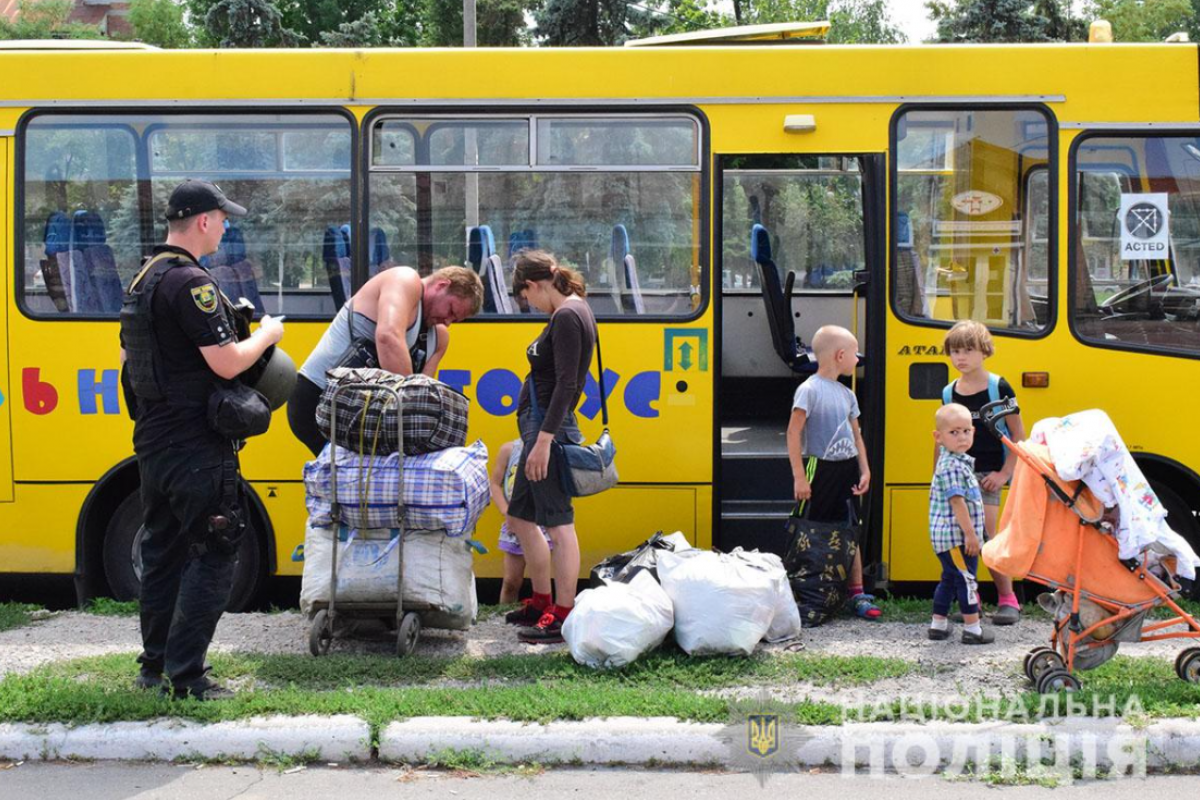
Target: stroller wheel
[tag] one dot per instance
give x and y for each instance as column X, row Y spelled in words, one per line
column 1187, row 665
column 320, row 633
column 1057, row 680
column 1040, row 661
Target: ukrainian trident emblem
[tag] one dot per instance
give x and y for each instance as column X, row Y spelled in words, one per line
column 762, row 734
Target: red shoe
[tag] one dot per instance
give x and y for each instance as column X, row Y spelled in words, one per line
column 547, row 631
column 525, row 616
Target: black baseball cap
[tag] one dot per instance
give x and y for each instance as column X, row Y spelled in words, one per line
column 196, row 197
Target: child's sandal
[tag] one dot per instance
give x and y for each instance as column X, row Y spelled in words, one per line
column 864, row 606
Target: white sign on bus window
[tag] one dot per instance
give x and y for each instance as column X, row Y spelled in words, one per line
column 1145, row 226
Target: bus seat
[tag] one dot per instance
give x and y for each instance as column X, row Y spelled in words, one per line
column 778, row 302
column 630, row 290
column 56, row 266
column 336, row 254
column 95, row 283
column 517, row 241
column 495, row 288
column 380, row 255
column 233, row 270
column 476, row 247
column 910, row 283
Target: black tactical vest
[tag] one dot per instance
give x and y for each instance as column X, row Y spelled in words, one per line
column 143, row 357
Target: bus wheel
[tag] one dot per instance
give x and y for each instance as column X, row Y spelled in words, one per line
column 1182, row 520
column 123, row 563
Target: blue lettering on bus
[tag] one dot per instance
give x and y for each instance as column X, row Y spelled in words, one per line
column 108, row 389
column 497, row 392
column 457, row 379
column 590, row 406
column 642, row 391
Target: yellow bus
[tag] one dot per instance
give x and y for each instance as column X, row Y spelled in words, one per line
column 893, row 190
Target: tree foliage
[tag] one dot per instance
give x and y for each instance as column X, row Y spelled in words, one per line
column 160, row 23
column 249, row 23
column 498, row 23
column 45, row 19
column 1005, row 21
column 1145, row 20
column 589, row 23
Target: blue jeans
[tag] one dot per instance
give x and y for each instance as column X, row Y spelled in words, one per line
column 958, row 583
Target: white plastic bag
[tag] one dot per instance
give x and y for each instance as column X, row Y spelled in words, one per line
column 613, row 625
column 724, row 604
column 438, row 577
column 786, row 622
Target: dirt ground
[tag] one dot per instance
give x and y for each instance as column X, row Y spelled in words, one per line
column 944, row 669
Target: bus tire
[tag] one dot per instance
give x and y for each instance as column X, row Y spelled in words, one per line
column 122, row 565
column 1181, row 518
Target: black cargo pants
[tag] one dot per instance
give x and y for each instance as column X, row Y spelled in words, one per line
column 187, row 567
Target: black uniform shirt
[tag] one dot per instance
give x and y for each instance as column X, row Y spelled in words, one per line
column 987, row 450
column 188, row 315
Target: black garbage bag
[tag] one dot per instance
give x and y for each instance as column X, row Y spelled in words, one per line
column 622, row 567
column 818, row 561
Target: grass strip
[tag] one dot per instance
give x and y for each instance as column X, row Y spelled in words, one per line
column 108, row 607
column 663, row 669
column 16, row 615
column 545, row 688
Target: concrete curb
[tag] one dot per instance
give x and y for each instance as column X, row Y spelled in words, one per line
column 1071, row 743
column 338, row 738
column 1105, row 743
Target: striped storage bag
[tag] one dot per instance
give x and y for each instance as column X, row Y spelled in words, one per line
column 443, row 490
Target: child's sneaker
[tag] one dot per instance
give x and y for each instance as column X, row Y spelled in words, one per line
column 525, row 616
column 983, row 637
column 547, row 631
column 864, row 606
column 1006, row 615
column 939, row 634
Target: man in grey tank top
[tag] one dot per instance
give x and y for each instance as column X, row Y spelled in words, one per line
column 401, row 318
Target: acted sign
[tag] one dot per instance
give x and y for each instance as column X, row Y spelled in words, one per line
column 1145, row 226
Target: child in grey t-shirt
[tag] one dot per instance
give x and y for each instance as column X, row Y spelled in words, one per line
column 825, row 447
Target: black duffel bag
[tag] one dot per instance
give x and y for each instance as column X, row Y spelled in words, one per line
column 818, row 560
column 434, row 416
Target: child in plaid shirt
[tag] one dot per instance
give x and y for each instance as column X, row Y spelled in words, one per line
column 955, row 522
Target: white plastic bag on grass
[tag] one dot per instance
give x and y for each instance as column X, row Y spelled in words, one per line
column 786, row 622
column 724, row 604
column 613, row 625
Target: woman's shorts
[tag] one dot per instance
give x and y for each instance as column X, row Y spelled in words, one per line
column 511, row 545
column 543, row 502
column 989, row 498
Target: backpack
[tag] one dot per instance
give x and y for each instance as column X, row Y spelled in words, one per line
column 993, row 396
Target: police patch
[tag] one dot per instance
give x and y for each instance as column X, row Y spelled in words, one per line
column 205, row 298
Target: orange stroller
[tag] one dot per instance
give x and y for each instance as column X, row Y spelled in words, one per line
column 1053, row 532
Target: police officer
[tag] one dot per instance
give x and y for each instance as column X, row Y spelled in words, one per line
column 181, row 350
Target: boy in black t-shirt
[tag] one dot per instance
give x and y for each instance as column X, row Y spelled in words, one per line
column 968, row 344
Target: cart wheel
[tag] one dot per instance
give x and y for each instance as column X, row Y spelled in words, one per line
column 409, row 633
column 320, row 633
column 1040, row 656
column 1057, row 680
column 1187, row 665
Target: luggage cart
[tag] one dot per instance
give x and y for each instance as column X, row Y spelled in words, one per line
column 326, row 615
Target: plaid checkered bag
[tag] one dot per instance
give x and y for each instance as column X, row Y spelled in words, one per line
column 434, row 416
column 444, row 490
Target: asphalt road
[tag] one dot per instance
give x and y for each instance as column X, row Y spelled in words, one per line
column 113, row 781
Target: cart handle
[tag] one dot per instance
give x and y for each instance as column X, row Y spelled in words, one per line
column 991, row 413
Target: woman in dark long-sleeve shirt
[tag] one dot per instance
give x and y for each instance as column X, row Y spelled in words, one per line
column 559, row 359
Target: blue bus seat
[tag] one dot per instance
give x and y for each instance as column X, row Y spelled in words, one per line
column 56, row 267
column 778, row 302
column 335, row 252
